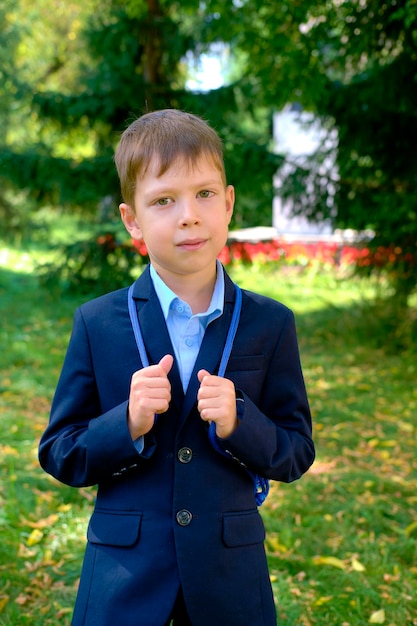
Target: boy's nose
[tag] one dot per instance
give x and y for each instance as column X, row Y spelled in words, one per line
column 189, row 213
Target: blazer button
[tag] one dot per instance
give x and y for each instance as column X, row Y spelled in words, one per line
column 184, row 517
column 185, row 455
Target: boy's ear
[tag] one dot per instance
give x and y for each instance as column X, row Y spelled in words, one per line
column 129, row 220
column 230, row 201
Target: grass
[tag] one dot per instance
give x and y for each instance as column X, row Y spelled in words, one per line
column 341, row 542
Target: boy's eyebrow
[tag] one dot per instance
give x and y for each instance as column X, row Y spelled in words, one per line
column 166, row 187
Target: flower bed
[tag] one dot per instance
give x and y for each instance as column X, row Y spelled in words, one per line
column 307, row 253
column 295, row 253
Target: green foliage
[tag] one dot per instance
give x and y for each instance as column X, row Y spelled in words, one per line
column 121, row 62
column 366, row 59
column 95, row 265
column 73, row 78
column 73, row 184
column 9, row 38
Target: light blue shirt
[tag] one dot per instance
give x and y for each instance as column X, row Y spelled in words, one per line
column 186, row 330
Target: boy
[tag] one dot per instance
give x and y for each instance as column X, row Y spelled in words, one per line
column 174, row 445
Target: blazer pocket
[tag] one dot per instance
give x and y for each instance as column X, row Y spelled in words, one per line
column 243, row 529
column 114, row 528
column 249, row 363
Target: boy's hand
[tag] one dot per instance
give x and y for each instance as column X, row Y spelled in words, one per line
column 150, row 393
column 217, row 402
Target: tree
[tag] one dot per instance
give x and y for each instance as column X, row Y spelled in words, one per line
column 37, row 48
column 130, row 58
column 9, row 41
column 354, row 66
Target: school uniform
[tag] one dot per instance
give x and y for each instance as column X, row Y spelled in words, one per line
column 174, row 514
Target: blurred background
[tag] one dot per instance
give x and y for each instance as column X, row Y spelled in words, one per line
column 316, row 107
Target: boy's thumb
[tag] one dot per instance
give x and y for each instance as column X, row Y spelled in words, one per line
column 166, row 363
column 202, row 374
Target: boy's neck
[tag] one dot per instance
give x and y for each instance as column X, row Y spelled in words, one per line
column 195, row 290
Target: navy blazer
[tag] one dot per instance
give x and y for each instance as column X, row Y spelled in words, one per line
column 179, row 513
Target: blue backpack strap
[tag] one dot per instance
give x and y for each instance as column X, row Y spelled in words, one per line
column 261, row 485
column 137, row 331
column 136, row 328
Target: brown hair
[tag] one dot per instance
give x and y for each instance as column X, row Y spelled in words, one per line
column 166, row 135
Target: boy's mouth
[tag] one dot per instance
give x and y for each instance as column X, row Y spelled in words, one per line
column 191, row 244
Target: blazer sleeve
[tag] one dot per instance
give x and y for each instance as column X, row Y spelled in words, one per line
column 274, row 436
column 84, row 443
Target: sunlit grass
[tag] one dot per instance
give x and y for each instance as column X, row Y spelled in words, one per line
column 341, row 542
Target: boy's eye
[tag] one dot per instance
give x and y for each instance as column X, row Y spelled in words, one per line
column 162, row 201
column 205, row 193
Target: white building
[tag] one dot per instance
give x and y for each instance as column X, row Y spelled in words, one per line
column 296, row 135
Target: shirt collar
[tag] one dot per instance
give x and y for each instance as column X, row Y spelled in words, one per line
column 166, row 296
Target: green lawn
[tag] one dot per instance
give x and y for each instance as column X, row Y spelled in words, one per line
column 341, row 541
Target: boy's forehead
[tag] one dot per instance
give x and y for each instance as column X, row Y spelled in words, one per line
column 181, row 163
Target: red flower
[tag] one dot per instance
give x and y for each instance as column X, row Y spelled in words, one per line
column 140, row 246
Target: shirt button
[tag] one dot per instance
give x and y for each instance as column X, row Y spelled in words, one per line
column 189, row 342
column 184, row 517
column 180, row 308
column 185, row 455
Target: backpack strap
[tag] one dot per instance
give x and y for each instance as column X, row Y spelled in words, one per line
column 261, row 485
column 136, row 327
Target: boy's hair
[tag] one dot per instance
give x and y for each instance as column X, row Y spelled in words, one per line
column 167, row 135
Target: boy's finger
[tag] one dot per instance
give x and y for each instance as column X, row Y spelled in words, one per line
column 202, row 374
column 166, row 363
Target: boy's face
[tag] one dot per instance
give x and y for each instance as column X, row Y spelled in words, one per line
column 183, row 217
